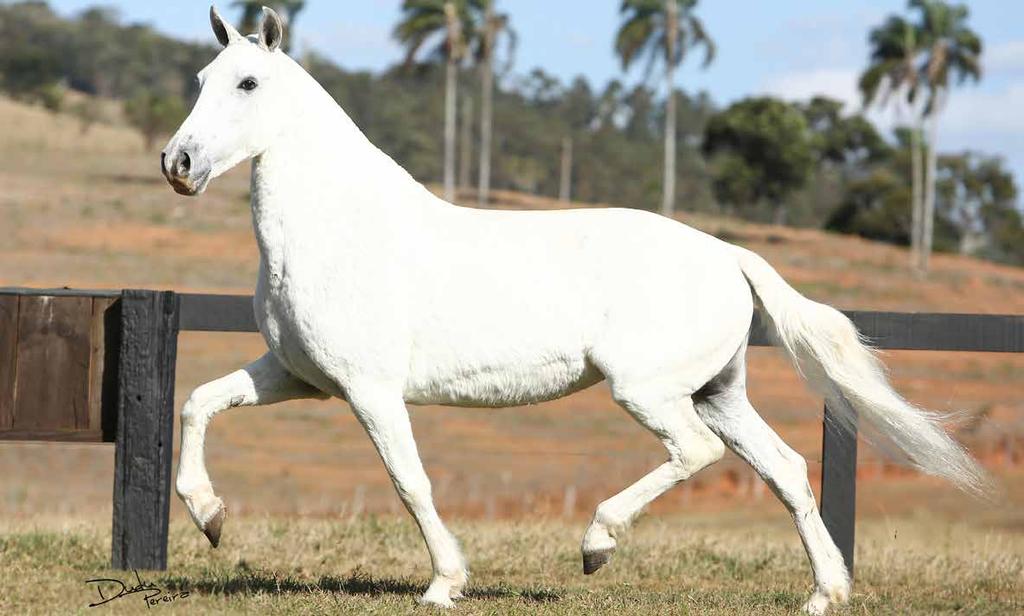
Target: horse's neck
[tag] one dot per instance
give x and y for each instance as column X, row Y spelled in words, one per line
column 323, row 178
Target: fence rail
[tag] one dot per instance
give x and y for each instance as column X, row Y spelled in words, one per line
column 132, row 391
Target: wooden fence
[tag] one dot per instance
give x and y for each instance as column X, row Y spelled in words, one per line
column 99, row 366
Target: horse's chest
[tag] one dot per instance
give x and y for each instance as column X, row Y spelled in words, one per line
column 325, row 332
column 289, row 344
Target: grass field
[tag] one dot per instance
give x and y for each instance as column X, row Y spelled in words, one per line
column 722, row 564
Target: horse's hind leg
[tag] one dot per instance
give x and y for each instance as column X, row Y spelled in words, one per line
column 691, row 447
column 263, row 381
column 724, row 407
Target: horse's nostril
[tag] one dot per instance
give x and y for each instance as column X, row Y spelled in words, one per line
column 184, row 164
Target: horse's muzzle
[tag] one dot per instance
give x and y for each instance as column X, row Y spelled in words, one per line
column 186, row 170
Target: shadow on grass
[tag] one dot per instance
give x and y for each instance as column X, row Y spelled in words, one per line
column 249, row 582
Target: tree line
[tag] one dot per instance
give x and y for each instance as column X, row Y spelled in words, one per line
column 761, row 158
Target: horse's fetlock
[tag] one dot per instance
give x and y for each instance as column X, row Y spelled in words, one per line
column 607, row 520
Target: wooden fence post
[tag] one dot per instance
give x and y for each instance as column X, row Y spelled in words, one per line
column 145, row 428
column 839, row 484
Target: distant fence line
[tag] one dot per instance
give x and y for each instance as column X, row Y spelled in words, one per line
column 116, row 351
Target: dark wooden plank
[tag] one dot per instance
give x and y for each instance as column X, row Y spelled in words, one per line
column 8, row 358
column 886, row 330
column 922, row 331
column 142, row 462
column 217, row 313
column 839, row 484
column 60, row 292
column 52, row 380
column 943, row 332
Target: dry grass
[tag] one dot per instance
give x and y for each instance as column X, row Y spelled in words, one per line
column 693, row 565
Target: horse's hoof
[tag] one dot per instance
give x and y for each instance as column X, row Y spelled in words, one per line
column 433, row 600
column 817, row 605
column 213, row 527
column 595, row 560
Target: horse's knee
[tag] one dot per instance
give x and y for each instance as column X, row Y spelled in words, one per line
column 206, row 401
column 197, row 404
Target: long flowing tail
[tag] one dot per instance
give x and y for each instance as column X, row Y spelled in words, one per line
column 828, row 351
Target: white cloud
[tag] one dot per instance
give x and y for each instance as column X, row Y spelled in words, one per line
column 837, row 83
column 987, row 121
column 972, row 111
column 1005, row 57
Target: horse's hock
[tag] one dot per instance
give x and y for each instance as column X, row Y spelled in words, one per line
column 98, row 366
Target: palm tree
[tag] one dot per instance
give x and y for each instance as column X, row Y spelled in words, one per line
column 954, row 50
column 663, row 30
column 252, row 12
column 895, row 48
column 450, row 23
column 493, row 27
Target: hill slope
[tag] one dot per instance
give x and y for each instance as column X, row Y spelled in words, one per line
column 91, row 210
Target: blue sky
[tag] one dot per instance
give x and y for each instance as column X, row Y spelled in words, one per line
column 788, row 48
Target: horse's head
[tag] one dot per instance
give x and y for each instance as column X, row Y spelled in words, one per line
column 243, row 97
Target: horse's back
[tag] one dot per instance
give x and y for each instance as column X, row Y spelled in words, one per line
column 559, row 293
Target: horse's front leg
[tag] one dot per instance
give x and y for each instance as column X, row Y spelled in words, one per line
column 264, row 381
column 386, row 420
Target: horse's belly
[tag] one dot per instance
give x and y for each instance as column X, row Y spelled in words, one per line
column 503, row 384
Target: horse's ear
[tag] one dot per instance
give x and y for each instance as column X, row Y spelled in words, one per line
column 224, row 31
column 271, row 30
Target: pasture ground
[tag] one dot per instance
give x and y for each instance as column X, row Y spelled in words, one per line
column 722, row 564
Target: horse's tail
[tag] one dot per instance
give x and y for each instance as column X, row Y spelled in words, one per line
column 827, row 350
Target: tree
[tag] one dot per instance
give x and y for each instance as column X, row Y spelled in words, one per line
column 953, row 50
column 892, row 74
column 494, row 28
column 466, row 142
column 450, row 22
column 664, row 31
column 874, row 207
column 32, row 63
column 845, row 147
column 848, row 141
column 764, row 152
column 252, row 12
column 977, row 197
column 154, row 114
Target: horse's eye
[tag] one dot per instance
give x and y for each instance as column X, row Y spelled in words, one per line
column 248, row 84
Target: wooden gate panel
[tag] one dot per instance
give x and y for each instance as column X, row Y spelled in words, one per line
column 8, row 355
column 51, row 392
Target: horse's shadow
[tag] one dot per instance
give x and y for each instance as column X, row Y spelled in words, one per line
column 356, row 583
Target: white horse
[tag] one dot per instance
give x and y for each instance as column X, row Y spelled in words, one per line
column 373, row 290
